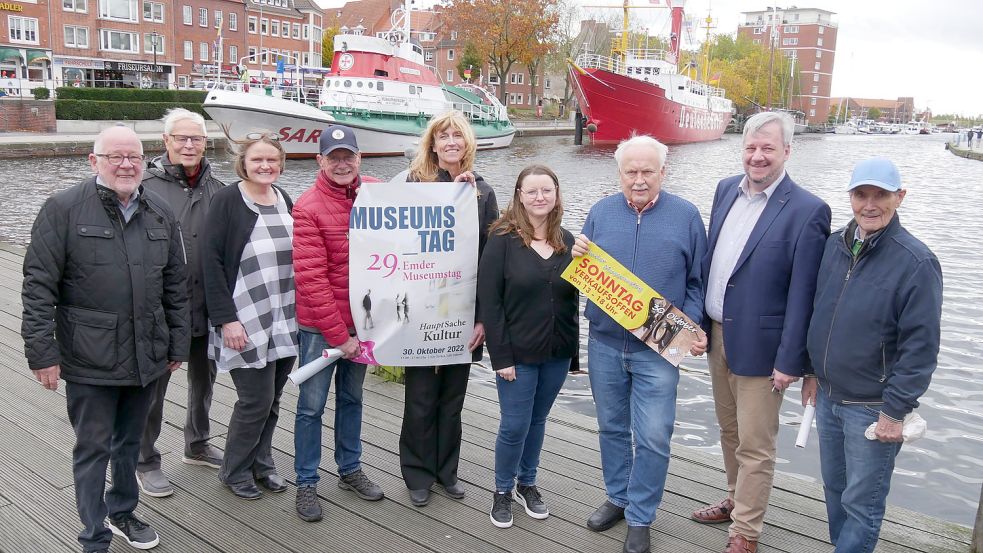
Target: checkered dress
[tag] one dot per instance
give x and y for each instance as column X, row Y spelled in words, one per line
column 264, row 293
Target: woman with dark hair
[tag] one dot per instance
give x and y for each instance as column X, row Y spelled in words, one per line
column 530, row 317
column 430, row 440
column 249, row 292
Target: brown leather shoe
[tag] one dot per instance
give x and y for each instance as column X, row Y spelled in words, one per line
column 712, row 514
column 739, row 544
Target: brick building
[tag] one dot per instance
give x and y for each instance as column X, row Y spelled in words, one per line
column 809, row 36
column 901, row 110
column 25, row 48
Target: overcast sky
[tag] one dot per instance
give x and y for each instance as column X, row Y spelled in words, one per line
column 932, row 50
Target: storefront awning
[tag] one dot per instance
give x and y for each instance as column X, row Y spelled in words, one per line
column 10, row 54
column 37, row 56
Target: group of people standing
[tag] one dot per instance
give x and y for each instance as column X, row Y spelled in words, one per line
column 143, row 267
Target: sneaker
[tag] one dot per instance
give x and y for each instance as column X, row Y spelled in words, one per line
column 136, row 532
column 529, row 498
column 501, row 513
column 210, row 457
column 154, row 483
column 308, row 505
column 361, row 485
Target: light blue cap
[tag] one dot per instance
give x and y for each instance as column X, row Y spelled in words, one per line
column 879, row 172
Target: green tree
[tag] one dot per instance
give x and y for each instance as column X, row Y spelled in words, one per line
column 470, row 59
column 874, row 113
column 327, row 45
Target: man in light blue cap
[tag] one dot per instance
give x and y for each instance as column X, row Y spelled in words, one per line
column 874, row 342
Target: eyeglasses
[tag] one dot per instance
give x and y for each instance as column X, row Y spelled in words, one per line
column 184, row 138
column 546, row 192
column 262, row 135
column 349, row 159
column 117, row 159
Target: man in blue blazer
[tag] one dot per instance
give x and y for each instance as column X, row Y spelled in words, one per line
column 766, row 239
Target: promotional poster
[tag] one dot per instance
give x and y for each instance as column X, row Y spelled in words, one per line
column 413, row 271
column 633, row 304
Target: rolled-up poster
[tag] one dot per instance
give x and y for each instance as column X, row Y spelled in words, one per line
column 807, row 416
column 328, row 356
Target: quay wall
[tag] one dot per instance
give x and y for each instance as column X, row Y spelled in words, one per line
column 21, row 115
column 967, row 153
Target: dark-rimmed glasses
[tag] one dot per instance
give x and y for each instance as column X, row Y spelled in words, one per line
column 117, row 159
column 184, row 138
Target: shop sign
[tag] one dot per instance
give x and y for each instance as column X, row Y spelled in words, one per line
column 79, row 63
column 11, row 7
column 136, row 67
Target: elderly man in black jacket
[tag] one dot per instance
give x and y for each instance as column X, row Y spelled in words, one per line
column 184, row 179
column 106, row 309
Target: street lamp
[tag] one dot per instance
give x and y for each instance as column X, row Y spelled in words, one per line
column 153, row 38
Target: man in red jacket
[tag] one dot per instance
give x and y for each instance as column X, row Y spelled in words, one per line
column 325, row 319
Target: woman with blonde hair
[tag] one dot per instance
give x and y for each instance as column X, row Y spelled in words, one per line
column 530, row 316
column 247, row 261
column 430, row 440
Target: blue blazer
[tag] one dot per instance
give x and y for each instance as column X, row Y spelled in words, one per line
column 768, row 300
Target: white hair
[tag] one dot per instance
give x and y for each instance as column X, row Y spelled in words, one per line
column 659, row 148
column 174, row 115
column 758, row 120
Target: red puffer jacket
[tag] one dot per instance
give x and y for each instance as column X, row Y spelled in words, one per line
column 321, row 257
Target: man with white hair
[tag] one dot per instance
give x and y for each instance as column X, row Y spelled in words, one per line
column 106, row 309
column 184, row 179
column 660, row 237
column 766, row 240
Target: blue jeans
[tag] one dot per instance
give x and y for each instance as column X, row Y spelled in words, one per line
column 635, row 397
column 856, row 473
column 524, row 404
column 310, row 407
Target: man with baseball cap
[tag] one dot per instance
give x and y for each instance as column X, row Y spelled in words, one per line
column 873, row 342
column 321, row 273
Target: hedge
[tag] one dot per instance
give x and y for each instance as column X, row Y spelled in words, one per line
column 131, row 94
column 91, row 110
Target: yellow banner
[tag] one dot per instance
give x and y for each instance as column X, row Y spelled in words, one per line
column 633, row 304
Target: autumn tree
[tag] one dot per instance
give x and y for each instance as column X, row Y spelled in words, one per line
column 874, row 113
column 470, row 59
column 505, row 31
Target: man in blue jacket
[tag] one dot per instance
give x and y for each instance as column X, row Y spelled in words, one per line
column 660, row 238
column 766, row 239
column 874, row 342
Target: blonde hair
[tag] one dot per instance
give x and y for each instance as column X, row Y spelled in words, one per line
column 516, row 219
column 425, row 165
column 240, row 147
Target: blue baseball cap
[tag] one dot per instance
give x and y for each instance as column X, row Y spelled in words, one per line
column 879, row 172
column 337, row 136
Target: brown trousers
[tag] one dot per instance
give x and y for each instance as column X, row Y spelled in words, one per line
column 747, row 411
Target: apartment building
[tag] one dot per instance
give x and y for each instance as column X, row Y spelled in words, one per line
column 809, row 36
column 25, row 48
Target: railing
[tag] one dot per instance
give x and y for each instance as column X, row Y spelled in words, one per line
column 595, row 61
column 651, row 55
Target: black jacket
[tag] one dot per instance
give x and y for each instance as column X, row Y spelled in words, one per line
column 529, row 312
column 228, row 226
column 190, row 205
column 105, row 300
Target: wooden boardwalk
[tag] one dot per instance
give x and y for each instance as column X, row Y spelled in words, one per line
column 37, row 508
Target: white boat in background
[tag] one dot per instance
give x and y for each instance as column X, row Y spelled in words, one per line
column 380, row 87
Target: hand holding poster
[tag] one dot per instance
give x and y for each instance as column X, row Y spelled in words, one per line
column 633, row 304
column 414, row 245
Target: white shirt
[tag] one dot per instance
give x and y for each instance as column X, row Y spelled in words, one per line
column 733, row 237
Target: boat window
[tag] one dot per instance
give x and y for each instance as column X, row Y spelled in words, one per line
column 412, row 89
column 348, row 84
column 381, row 73
column 378, row 85
column 370, row 84
column 655, row 71
column 358, row 84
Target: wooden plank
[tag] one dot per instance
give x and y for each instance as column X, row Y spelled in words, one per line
column 19, row 532
column 978, row 529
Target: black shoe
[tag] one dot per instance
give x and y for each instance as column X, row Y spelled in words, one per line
column 637, row 540
column 531, row 501
column 501, row 512
column 246, row 490
column 606, row 516
column 308, row 505
column 136, row 532
column 273, row 482
column 420, row 498
column 455, row 490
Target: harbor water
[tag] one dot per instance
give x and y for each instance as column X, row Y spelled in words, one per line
column 939, row 475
